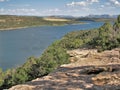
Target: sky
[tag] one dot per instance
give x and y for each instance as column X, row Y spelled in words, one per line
column 59, row 7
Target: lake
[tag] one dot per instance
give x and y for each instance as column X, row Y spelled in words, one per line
column 17, row 45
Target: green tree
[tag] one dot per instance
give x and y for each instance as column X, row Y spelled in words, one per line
column 118, row 19
column 1, row 77
column 116, row 25
column 105, row 39
column 20, row 76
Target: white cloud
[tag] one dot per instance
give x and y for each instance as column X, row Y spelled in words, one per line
column 30, row 11
column 54, row 10
column 1, row 9
column 93, row 1
column 3, row 0
column 82, row 3
column 108, row 3
column 23, row 5
column 78, row 10
column 115, row 2
column 21, row 10
column 102, row 6
column 18, row 11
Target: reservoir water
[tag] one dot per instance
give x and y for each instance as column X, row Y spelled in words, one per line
column 17, row 45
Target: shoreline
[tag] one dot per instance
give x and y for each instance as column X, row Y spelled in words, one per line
column 10, row 29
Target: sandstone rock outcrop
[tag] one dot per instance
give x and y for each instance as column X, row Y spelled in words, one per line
column 89, row 71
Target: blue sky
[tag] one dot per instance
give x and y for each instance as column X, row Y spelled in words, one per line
column 59, row 7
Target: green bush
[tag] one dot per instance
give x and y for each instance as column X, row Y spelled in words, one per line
column 52, row 58
column 78, row 39
column 1, row 77
column 108, row 37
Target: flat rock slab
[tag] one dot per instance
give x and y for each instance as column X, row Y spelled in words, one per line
column 91, row 71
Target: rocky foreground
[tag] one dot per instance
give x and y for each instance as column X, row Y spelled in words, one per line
column 88, row 70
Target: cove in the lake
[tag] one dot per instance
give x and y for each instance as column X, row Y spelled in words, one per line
column 17, row 45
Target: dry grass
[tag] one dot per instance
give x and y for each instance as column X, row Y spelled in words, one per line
column 56, row 19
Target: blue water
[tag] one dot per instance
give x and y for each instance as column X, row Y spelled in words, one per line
column 17, row 45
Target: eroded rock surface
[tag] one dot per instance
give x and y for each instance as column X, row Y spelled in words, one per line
column 89, row 70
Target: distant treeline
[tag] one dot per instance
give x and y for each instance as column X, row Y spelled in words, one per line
column 96, row 19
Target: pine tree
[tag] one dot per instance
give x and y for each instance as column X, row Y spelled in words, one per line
column 118, row 19
column 116, row 26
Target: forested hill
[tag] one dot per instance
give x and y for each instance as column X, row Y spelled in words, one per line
column 8, row 22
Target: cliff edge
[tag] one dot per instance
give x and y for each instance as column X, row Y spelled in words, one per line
column 88, row 70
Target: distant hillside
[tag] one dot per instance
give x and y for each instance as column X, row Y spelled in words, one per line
column 13, row 22
column 96, row 19
column 99, row 18
column 62, row 16
column 102, row 16
column 8, row 22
